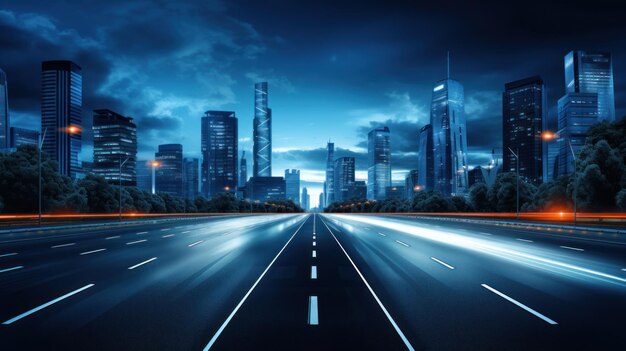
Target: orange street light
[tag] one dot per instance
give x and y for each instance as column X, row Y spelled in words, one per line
column 417, row 188
column 549, row 136
column 227, row 188
column 73, row 129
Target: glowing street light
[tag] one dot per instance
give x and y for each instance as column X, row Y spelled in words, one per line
column 73, row 129
column 551, row 136
column 154, row 165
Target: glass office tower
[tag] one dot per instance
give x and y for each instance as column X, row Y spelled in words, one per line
column 577, row 113
column 169, row 174
column 523, row 108
column 5, row 141
column 219, row 152
column 306, row 199
column 243, row 170
column 21, row 136
column 379, row 163
column 292, row 185
column 61, row 113
column 411, row 183
column 344, row 178
column 262, row 132
column 592, row 72
column 329, row 184
column 425, row 165
column 191, row 170
column 114, row 141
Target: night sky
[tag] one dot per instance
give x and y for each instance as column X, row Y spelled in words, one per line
column 335, row 70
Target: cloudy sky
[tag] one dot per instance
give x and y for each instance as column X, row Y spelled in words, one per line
column 335, row 70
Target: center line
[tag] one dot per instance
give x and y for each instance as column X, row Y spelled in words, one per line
column 142, row 263
column 168, row 235
column 313, row 272
column 441, row 262
column 62, row 245
column 314, row 254
column 9, row 254
column 112, row 237
column 525, row 240
column 136, row 242
column 402, row 243
column 196, row 243
column 313, row 237
column 10, row 269
column 382, row 234
column 571, row 248
column 314, row 243
column 28, row 313
column 313, row 317
column 90, row 252
column 519, row 304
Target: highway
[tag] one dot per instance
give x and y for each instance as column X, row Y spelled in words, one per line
column 311, row 282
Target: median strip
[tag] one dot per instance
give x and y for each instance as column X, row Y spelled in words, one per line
column 519, row 304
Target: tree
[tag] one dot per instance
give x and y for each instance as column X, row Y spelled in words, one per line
column 224, row 203
column 458, row 204
column 552, row 196
column 101, row 197
column 620, row 200
column 140, row 200
column 503, row 193
column 600, row 176
column 478, row 197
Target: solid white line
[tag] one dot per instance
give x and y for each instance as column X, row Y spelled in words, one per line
column 112, row 237
column 62, row 245
column 142, row 263
column 314, row 254
column 9, row 254
column 196, row 243
column 28, row 313
column 168, row 235
column 313, row 272
column 313, row 316
column 393, row 323
column 402, row 243
column 525, row 240
column 314, row 244
column 382, row 234
column 141, row 233
column 185, row 232
column 136, row 242
column 572, row 248
column 90, row 252
column 441, row 262
column 10, row 269
column 519, row 304
column 232, row 314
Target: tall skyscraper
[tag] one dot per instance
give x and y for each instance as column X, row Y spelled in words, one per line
column 411, row 183
column 447, row 118
column 321, row 205
column 329, row 184
column 169, row 174
column 306, row 199
column 219, row 152
column 5, row 141
column 379, row 163
column 592, row 72
column 292, row 185
column 426, row 163
column 61, row 113
column 523, row 109
column 191, row 176
column 144, row 175
column 21, row 136
column 114, row 142
column 243, row 170
column 262, row 132
column 577, row 113
column 344, row 178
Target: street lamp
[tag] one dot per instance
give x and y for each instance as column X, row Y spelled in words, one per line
column 41, row 139
column 551, row 136
column 517, row 181
column 154, row 165
column 120, row 190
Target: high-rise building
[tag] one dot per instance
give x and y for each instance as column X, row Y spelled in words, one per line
column 577, row 113
column 21, row 136
column 329, row 183
column 426, row 165
column 359, row 190
column 292, row 185
column 5, row 140
column 61, row 113
column 475, row 175
column 306, row 199
column 243, row 170
column 191, row 177
column 169, row 174
column 411, row 183
column 592, row 72
column 395, row 193
column 265, row 188
column 447, row 118
column 344, row 178
column 114, row 143
column 219, row 152
column 379, row 163
column 321, row 205
column 143, row 169
column 262, row 132
column 523, row 109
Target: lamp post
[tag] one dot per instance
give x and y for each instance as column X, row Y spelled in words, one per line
column 550, row 136
column 120, row 189
column 41, row 139
column 517, row 182
column 154, row 165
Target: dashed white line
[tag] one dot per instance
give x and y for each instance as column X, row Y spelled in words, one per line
column 142, row 263
column 142, row 233
column 196, row 243
column 571, row 248
column 10, row 269
column 524, row 240
column 402, row 243
column 519, row 304
column 9, row 254
column 164, row 229
column 624, row 269
column 36, row 309
column 382, row 234
column 313, row 316
column 313, row 237
column 136, row 242
column 314, row 244
column 112, row 237
column 62, row 245
column 313, row 272
column 441, row 262
column 186, row 231
column 314, row 254
column 92, row 251
column 168, row 235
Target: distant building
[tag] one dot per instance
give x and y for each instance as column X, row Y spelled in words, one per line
column 87, row 167
column 306, row 199
column 329, row 182
column 379, row 163
column 577, row 113
column 475, row 175
column 265, row 188
column 359, row 190
column 144, row 175
column 321, row 205
column 61, row 114
column 114, row 143
column 243, row 170
column 292, row 185
column 191, row 173
column 169, row 174
column 5, row 140
column 219, row 152
column 426, row 165
column 21, row 136
column 344, row 178
column 395, row 193
column 411, row 183
column 262, row 132
column 592, row 72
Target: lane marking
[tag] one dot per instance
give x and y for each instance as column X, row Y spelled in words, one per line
column 165, row 229
column 186, row 231
column 314, row 254
column 168, row 235
column 402, row 243
column 136, row 242
column 624, row 269
column 571, row 248
column 9, row 254
column 36, row 309
column 382, row 307
column 112, row 237
column 524, row 240
column 314, row 244
column 232, row 314
column 142, row 233
column 90, row 252
column 519, row 304
column 62, row 245
column 142, row 263
column 382, row 234
column 483, row 233
column 441, row 262
column 313, row 237
column 196, row 243
column 10, row 269
column 313, row 272
column 313, row 316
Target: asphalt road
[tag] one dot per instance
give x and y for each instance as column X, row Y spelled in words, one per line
column 311, row 282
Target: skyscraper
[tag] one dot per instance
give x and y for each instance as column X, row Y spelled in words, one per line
column 379, row 163
column 577, row 113
column 592, row 72
column 426, row 165
column 61, row 113
column 243, row 170
column 219, row 152
column 5, row 141
column 191, row 177
column 114, row 142
column 169, row 174
column 144, row 175
column 292, row 185
column 411, row 183
column 262, row 132
column 344, row 178
column 523, row 108
column 447, row 118
column 321, row 200
column 21, row 136
column 329, row 184
column 306, row 199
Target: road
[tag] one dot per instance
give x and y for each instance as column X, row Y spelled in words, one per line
column 310, row 282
